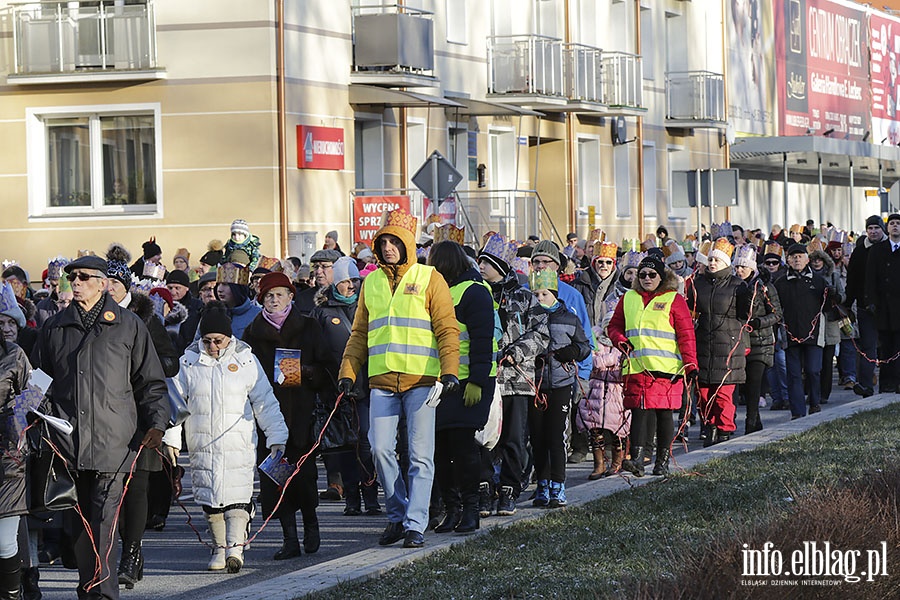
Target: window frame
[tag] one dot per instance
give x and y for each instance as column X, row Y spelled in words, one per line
column 583, row 191
column 38, row 169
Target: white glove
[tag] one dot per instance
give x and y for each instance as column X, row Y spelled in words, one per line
column 171, row 453
column 274, row 449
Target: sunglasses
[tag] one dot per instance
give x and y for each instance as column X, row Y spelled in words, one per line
column 215, row 342
column 81, row 276
column 602, row 261
column 648, row 274
column 773, row 263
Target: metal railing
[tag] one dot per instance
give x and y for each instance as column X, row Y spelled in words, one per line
column 583, row 72
column 525, row 64
column 622, row 80
column 56, row 37
column 695, row 95
column 513, row 213
column 392, row 37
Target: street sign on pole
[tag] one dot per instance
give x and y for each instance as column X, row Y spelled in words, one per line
column 437, row 178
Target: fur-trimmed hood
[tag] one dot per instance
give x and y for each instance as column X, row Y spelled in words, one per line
column 829, row 262
column 669, row 283
column 142, row 306
column 177, row 315
column 322, row 296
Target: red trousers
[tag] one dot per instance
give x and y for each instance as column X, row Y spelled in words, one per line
column 718, row 411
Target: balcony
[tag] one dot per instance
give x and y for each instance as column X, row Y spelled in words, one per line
column 623, row 83
column 695, row 100
column 393, row 46
column 513, row 213
column 526, row 70
column 60, row 42
column 584, row 77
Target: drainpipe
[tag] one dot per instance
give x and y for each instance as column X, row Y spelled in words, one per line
column 570, row 144
column 727, row 147
column 640, row 126
column 404, row 169
column 282, row 138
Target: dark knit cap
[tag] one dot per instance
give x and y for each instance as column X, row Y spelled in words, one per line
column 151, row 248
column 499, row 264
column 655, row 263
column 215, row 320
column 875, row 220
column 178, row 276
column 893, row 217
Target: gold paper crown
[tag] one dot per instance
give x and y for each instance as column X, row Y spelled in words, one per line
column 605, row 250
column 449, row 233
column 815, row 244
column 233, row 273
column 648, row 243
column 705, row 248
column 670, row 248
column 724, row 246
column 400, row 218
column 487, row 236
column 597, row 235
column 796, row 228
column 774, row 248
column 272, row 264
column 759, row 243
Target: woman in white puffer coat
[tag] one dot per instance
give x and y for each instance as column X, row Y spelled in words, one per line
column 227, row 394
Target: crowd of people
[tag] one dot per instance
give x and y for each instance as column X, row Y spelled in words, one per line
column 453, row 376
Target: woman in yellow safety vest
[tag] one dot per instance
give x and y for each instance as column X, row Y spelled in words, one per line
column 653, row 328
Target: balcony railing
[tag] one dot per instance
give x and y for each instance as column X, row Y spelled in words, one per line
column 392, row 38
column 584, row 73
column 59, row 37
column 622, row 80
column 525, row 64
column 695, row 96
column 513, row 213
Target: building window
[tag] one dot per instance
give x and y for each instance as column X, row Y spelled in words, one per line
column 588, row 174
column 456, row 22
column 622, row 168
column 85, row 162
column 650, row 191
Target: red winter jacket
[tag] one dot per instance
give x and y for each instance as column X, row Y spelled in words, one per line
column 644, row 390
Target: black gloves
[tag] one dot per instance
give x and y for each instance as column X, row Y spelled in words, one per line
column 754, row 323
column 345, row 386
column 508, row 357
column 451, row 383
column 566, row 354
column 625, row 347
column 692, row 377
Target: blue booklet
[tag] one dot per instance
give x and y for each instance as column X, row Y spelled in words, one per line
column 277, row 468
column 287, row 367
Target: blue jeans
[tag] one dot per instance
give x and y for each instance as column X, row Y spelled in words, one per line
column 847, row 359
column 868, row 344
column 777, row 375
column 409, row 506
column 800, row 358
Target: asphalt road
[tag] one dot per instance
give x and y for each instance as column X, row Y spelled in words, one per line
column 175, row 561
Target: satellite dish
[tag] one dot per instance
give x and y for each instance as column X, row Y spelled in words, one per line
column 619, row 131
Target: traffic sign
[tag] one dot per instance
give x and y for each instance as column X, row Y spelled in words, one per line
column 437, row 178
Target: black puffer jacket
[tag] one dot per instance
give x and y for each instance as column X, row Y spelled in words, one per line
column 721, row 301
column 336, row 318
column 143, row 307
column 802, row 298
column 567, row 335
column 14, row 374
column 107, row 382
column 767, row 308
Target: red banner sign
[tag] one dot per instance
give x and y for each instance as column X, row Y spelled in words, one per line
column 823, row 68
column 320, row 148
column 884, row 39
column 367, row 211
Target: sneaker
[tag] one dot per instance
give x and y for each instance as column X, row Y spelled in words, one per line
column 861, row 390
column 849, row 384
column 334, row 492
column 541, row 494
column 576, row 457
column 485, row 499
column 557, row 494
column 762, row 402
column 815, row 409
column 506, row 506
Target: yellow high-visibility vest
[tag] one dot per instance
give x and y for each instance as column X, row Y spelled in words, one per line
column 652, row 335
column 457, row 292
column 400, row 336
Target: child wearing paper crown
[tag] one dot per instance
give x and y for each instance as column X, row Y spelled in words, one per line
column 556, row 372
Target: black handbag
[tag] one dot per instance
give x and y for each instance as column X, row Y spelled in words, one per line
column 52, row 485
column 178, row 410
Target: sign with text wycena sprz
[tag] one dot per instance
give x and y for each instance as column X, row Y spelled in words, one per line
column 367, row 212
column 320, row 148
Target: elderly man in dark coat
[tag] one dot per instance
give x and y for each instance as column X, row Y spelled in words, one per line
column 108, row 383
column 881, row 293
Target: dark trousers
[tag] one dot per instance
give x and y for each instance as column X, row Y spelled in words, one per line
column 889, row 374
column 301, row 494
column 547, row 428
column 868, row 345
column 159, row 492
column 826, row 376
column 511, row 448
column 457, row 458
column 98, row 496
column 802, row 358
column 577, row 431
column 133, row 518
column 752, row 390
column 665, row 427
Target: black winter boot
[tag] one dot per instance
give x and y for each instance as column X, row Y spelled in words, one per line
column 635, row 465
column 30, row 588
column 469, row 519
column 452, row 512
column 485, row 499
column 352, row 500
column 10, row 576
column 662, row 462
column 131, row 566
column 311, row 538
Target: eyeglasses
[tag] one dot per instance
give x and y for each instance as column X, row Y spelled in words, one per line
column 321, row 267
column 218, row 342
column 648, row 274
column 210, row 289
column 604, row 261
column 540, row 261
column 773, row 263
column 82, row 276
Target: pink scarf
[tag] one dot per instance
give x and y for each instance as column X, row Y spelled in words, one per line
column 277, row 319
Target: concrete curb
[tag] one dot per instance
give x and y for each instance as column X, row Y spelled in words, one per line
column 376, row 561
